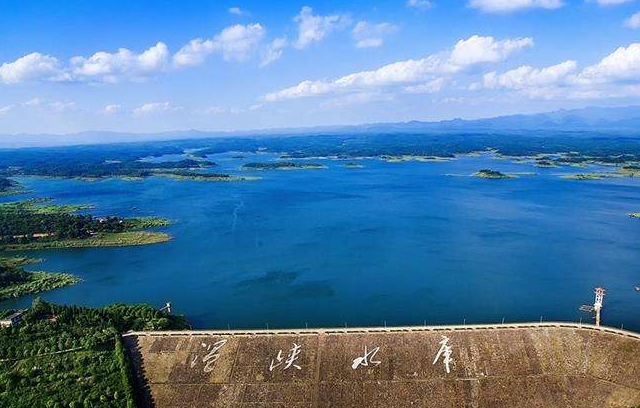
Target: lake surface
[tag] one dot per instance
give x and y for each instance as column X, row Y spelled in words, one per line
column 401, row 243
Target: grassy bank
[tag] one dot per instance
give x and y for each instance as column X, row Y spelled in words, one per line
column 37, row 282
column 109, row 239
column 16, row 282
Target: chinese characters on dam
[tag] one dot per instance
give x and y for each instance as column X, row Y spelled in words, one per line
column 287, row 359
column 210, row 358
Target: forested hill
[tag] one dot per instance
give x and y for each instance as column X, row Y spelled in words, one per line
column 70, row 356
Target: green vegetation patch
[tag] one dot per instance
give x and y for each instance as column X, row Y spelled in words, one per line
column 70, row 356
column 590, row 176
column 16, row 282
column 492, row 174
column 205, row 177
column 10, row 187
column 33, row 225
column 282, row 166
column 117, row 239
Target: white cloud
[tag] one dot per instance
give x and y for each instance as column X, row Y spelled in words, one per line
column 622, row 65
column 357, row 99
column 419, row 4
column 33, row 102
column 5, row 109
column 32, row 67
column 235, row 42
column 611, row 2
column 112, row 109
column 237, row 11
column 527, row 77
column 155, row 108
column 369, row 35
column 633, row 22
column 121, row 65
column 615, row 75
column 60, row 107
column 433, row 86
column 313, row 28
column 477, row 49
column 194, row 53
column 474, row 50
column 507, row 6
column 273, row 51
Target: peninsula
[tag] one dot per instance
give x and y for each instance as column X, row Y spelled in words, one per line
column 9, row 187
column 30, row 224
column 16, row 282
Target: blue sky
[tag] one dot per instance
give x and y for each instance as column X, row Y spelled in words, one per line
column 163, row 65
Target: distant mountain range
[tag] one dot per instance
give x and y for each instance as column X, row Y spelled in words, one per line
column 621, row 121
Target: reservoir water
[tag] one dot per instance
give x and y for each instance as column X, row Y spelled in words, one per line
column 401, row 243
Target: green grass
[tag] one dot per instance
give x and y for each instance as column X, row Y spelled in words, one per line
column 206, row 177
column 36, row 206
column 492, row 174
column 38, row 282
column 141, row 223
column 99, row 240
column 589, row 176
column 72, row 357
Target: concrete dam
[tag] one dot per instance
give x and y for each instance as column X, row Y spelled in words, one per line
column 538, row 365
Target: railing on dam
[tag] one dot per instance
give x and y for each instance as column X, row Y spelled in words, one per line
column 398, row 329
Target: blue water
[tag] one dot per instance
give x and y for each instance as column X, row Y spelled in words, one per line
column 401, row 243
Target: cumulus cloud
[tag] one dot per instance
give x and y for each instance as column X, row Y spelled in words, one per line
column 152, row 108
column 32, row 67
column 112, row 109
column 313, row 28
column 620, row 66
column 194, row 53
column 123, row 64
column 507, row 6
column 477, row 49
column 369, row 35
column 273, row 51
column 526, row 76
column 419, row 4
column 633, row 22
column 235, row 43
column 615, row 75
column 472, row 51
column 427, row 87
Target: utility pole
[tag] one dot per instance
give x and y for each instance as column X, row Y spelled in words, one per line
column 167, row 307
column 597, row 305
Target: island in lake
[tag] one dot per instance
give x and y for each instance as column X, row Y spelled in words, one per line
column 492, row 174
column 282, row 166
column 183, row 175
